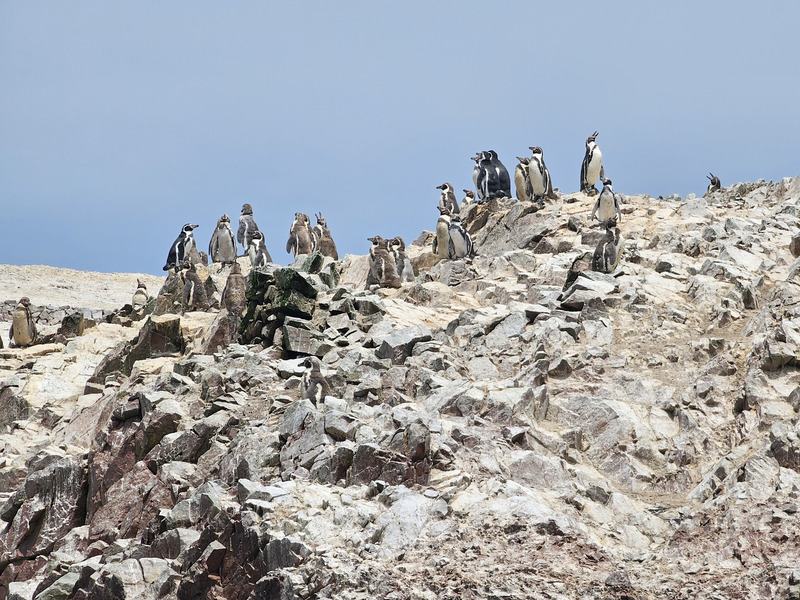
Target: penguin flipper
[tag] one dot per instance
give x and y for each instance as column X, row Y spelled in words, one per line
column 451, row 249
column 291, row 243
column 602, row 172
column 435, row 244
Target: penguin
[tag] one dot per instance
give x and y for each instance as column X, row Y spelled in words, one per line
column 539, row 177
column 233, row 295
column 460, row 243
column 447, row 199
column 23, row 328
column 181, row 247
column 469, row 198
column 441, row 242
column 370, row 260
column 522, row 182
column 384, row 268
column 222, row 247
column 499, row 185
column 592, row 166
column 607, row 204
column 609, row 250
column 247, row 225
column 715, row 183
column 315, row 386
column 405, row 271
column 140, row 296
column 300, row 239
column 194, row 291
column 476, row 173
column 324, row 241
column 259, row 255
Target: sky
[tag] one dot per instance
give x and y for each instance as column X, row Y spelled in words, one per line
column 121, row 121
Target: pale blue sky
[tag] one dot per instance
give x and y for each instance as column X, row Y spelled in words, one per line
column 121, row 121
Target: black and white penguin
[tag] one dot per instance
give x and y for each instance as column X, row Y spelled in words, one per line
column 522, row 183
column 247, row 225
column 370, row 260
column 469, row 198
column 194, row 291
column 384, row 268
column 609, row 250
column 714, row 185
column 539, row 175
column 447, row 199
column 498, row 183
column 323, row 240
column 476, row 173
column 607, row 204
column 222, row 247
column 592, row 166
column 460, row 242
column 301, row 240
column 23, row 327
column 315, row 386
column 397, row 246
column 441, row 242
column 181, row 247
column 140, row 296
column 259, row 255
column 233, row 295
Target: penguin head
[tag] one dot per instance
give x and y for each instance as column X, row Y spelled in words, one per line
column 188, row 228
column 592, row 137
column 606, row 182
column 398, row 242
column 376, row 240
column 247, row 209
column 445, row 186
column 236, row 268
column 444, row 211
column 257, row 235
column 470, row 194
column 478, row 157
column 224, row 219
column 321, row 220
column 611, row 223
column 535, row 150
column 523, row 161
column 140, row 285
column 25, row 301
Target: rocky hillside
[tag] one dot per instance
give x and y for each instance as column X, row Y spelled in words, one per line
column 510, row 426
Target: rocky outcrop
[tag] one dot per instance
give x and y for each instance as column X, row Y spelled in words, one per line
column 514, row 425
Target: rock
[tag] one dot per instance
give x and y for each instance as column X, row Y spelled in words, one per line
column 399, row 345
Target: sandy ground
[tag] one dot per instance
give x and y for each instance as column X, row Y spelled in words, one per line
column 52, row 286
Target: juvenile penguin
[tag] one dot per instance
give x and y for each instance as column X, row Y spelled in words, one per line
column 609, row 250
column 315, row 386
column 539, row 176
column 715, row 183
column 233, row 295
column 522, row 183
column 405, row 271
column 181, row 247
column 247, row 225
column 324, row 240
column 194, row 292
column 447, row 199
column 300, row 239
column 460, row 242
column 607, row 204
column 384, row 268
column 371, row 259
column 441, row 243
column 222, row 247
column 140, row 296
column 259, row 255
column 592, row 166
column 23, row 327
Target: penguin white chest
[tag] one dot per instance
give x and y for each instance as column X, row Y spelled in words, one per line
column 537, row 178
column 606, row 209
column 593, row 168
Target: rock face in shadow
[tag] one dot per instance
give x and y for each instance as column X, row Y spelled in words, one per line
column 507, row 425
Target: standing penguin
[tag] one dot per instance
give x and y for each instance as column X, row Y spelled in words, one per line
column 447, row 199
column 592, row 166
column 315, row 386
column 384, row 268
column 498, row 183
column 194, row 291
column 247, row 225
column 222, row 247
column 609, row 250
column 259, row 255
column 522, row 182
column 476, row 173
column 300, row 239
column 460, row 242
column 441, row 243
column 324, row 240
column 23, row 328
column 405, row 271
column 371, row 259
column 715, row 183
column 140, row 296
column 233, row 295
column 539, row 175
column 181, row 248
column 607, row 204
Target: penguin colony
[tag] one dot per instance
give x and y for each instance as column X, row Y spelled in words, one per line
column 388, row 264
